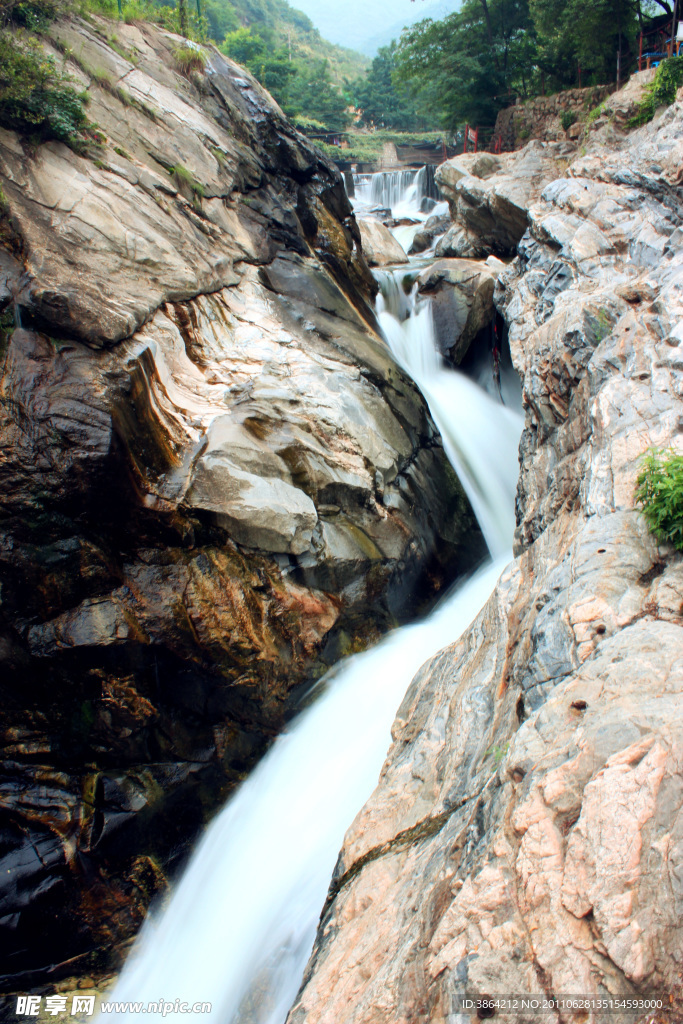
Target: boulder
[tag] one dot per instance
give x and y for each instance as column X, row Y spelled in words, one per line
column 432, row 228
column 461, row 293
column 380, row 248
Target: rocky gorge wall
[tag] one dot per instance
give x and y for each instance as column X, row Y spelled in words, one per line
column 214, row 480
column 526, row 833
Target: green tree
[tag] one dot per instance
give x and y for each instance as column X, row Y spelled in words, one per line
column 466, row 66
column 587, row 34
column 182, row 16
column 476, row 61
column 221, row 17
column 384, row 102
column 314, row 95
column 270, row 66
column 244, row 46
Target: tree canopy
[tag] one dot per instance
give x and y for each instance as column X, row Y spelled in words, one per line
column 477, row 60
column 382, row 100
column 302, row 87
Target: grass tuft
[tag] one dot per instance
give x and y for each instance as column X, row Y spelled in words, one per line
column 188, row 59
column 186, row 180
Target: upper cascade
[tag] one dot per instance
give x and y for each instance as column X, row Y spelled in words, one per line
column 405, row 193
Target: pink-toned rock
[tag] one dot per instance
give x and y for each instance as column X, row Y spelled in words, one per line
column 526, row 833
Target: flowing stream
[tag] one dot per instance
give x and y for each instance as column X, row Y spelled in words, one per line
column 240, row 925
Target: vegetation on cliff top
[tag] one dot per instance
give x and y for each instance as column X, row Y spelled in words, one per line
column 469, row 65
column 277, row 43
column 465, row 67
column 662, row 92
column 37, row 96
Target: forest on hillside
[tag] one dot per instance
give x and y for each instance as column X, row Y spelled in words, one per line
column 437, row 76
column 469, row 65
column 462, row 68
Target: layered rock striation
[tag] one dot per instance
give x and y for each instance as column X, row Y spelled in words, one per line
column 489, row 197
column 526, row 834
column 214, row 480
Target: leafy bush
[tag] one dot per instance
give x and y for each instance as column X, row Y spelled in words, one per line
column 189, row 58
column 33, row 14
column 36, row 96
column 660, row 494
column 602, row 325
column 662, row 92
column 567, row 119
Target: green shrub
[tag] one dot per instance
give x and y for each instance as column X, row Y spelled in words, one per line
column 602, row 325
column 659, row 492
column 36, row 96
column 567, row 119
column 595, row 114
column 662, row 92
column 189, row 59
column 33, row 14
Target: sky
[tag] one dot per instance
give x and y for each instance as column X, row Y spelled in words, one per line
column 366, row 24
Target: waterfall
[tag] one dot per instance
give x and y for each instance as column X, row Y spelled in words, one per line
column 402, row 192
column 240, row 925
column 482, row 438
column 409, row 195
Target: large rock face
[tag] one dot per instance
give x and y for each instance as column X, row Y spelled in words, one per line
column 214, row 480
column 526, row 835
column 489, row 197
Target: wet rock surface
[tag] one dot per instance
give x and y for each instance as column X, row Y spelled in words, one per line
column 461, row 294
column 432, row 229
column 214, row 480
column 526, row 832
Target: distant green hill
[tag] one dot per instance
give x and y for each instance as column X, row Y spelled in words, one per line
column 284, row 28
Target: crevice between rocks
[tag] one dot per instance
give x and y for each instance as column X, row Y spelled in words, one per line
column 424, row 829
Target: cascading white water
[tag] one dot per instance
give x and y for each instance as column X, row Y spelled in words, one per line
column 482, row 437
column 386, row 189
column 403, row 193
column 240, row 926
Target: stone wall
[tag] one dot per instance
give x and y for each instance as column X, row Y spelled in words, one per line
column 540, row 118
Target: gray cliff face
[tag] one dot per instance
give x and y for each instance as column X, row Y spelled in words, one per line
column 526, row 834
column 489, row 197
column 214, row 481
